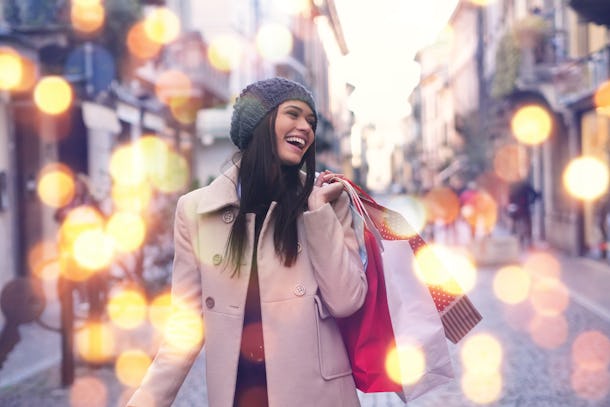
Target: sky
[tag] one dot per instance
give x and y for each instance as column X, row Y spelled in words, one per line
column 383, row 37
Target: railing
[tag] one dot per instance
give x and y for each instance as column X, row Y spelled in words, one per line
column 578, row 78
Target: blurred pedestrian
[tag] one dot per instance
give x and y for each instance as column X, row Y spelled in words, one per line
column 267, row 255
column 522, row 196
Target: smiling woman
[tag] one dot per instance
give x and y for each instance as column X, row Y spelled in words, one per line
column 252, row 256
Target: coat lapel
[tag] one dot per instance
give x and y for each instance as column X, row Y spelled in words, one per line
column 220, row 193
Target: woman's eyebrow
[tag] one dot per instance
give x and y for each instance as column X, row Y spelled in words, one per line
column 297, row 108
column 293, row 107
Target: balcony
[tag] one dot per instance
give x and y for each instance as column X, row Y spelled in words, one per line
column 579, row 78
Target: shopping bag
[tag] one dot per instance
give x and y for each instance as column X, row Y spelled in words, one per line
column 457, row 312
column 396, row 341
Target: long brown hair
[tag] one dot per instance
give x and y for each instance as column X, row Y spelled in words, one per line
column 262, row 180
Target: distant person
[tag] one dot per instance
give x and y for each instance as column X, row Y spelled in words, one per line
column 267, row 255
column 603, row 218
column 520, row 200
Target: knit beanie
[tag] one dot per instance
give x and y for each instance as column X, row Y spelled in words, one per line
column 258, row 99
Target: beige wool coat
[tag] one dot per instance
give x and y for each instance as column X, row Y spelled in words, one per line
column 306, row 360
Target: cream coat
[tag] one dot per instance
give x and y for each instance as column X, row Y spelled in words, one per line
column 306, row 361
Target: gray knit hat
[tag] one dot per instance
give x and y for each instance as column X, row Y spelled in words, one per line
column 258, row 99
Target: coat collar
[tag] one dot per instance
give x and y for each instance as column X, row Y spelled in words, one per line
column 220, row 193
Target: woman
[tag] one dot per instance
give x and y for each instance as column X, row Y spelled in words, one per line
column 267, row 254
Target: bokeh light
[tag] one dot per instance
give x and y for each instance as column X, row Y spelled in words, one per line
column 159, row 310
column 591, row 350
column 43, row 260
column 549, row 297
column 511, row 284
column 586, row 178
column 79, row 219
column 173, row 175
column 482, row 389
column 87, row 16
column 139, row 43
column 431, row 267
column 95, row 342
column 162, row 25
column 127, row 308
column 131, row 198
column 274, row 41
column 225, row 51
column 592, row 385
column 53, row 95
column 55, row 186
column 405, row 364
column 29, row 75
column 511, row 162
column 548, row 331
column 127, row 229
column 542, row 265
column 411, row 208
column 11, row 68
column 131, row 366
column 127, row 166
column 88, row 391
column 442, row 204
column 601, row 98
column 184, row 108
column 481, row 354
column 532, row 124
column 480, row 211
column 172, row 83
column 93, row 249
column 184, row 329
column 153, row 151
column 250, row 346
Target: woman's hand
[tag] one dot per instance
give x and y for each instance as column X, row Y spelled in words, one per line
column 323, row 192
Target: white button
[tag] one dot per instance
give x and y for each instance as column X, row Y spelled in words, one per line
column 299, row 290
column 228, row 216
column 299, row 247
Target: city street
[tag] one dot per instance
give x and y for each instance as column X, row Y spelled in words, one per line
column 535, row 370
column 149, row 146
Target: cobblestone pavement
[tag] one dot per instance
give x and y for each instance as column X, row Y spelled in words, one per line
column 532, row 375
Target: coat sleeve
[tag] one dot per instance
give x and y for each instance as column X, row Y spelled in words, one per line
column 334, row 254
column 172, row 363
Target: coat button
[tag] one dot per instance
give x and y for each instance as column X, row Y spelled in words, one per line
column 228, row 216
column 299, row 247
column 299, row 290
column 217, row 259
column 209, row 302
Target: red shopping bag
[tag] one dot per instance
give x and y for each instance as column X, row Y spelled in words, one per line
column 368, row 334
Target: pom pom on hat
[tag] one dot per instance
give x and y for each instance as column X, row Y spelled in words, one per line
column 257, row 100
